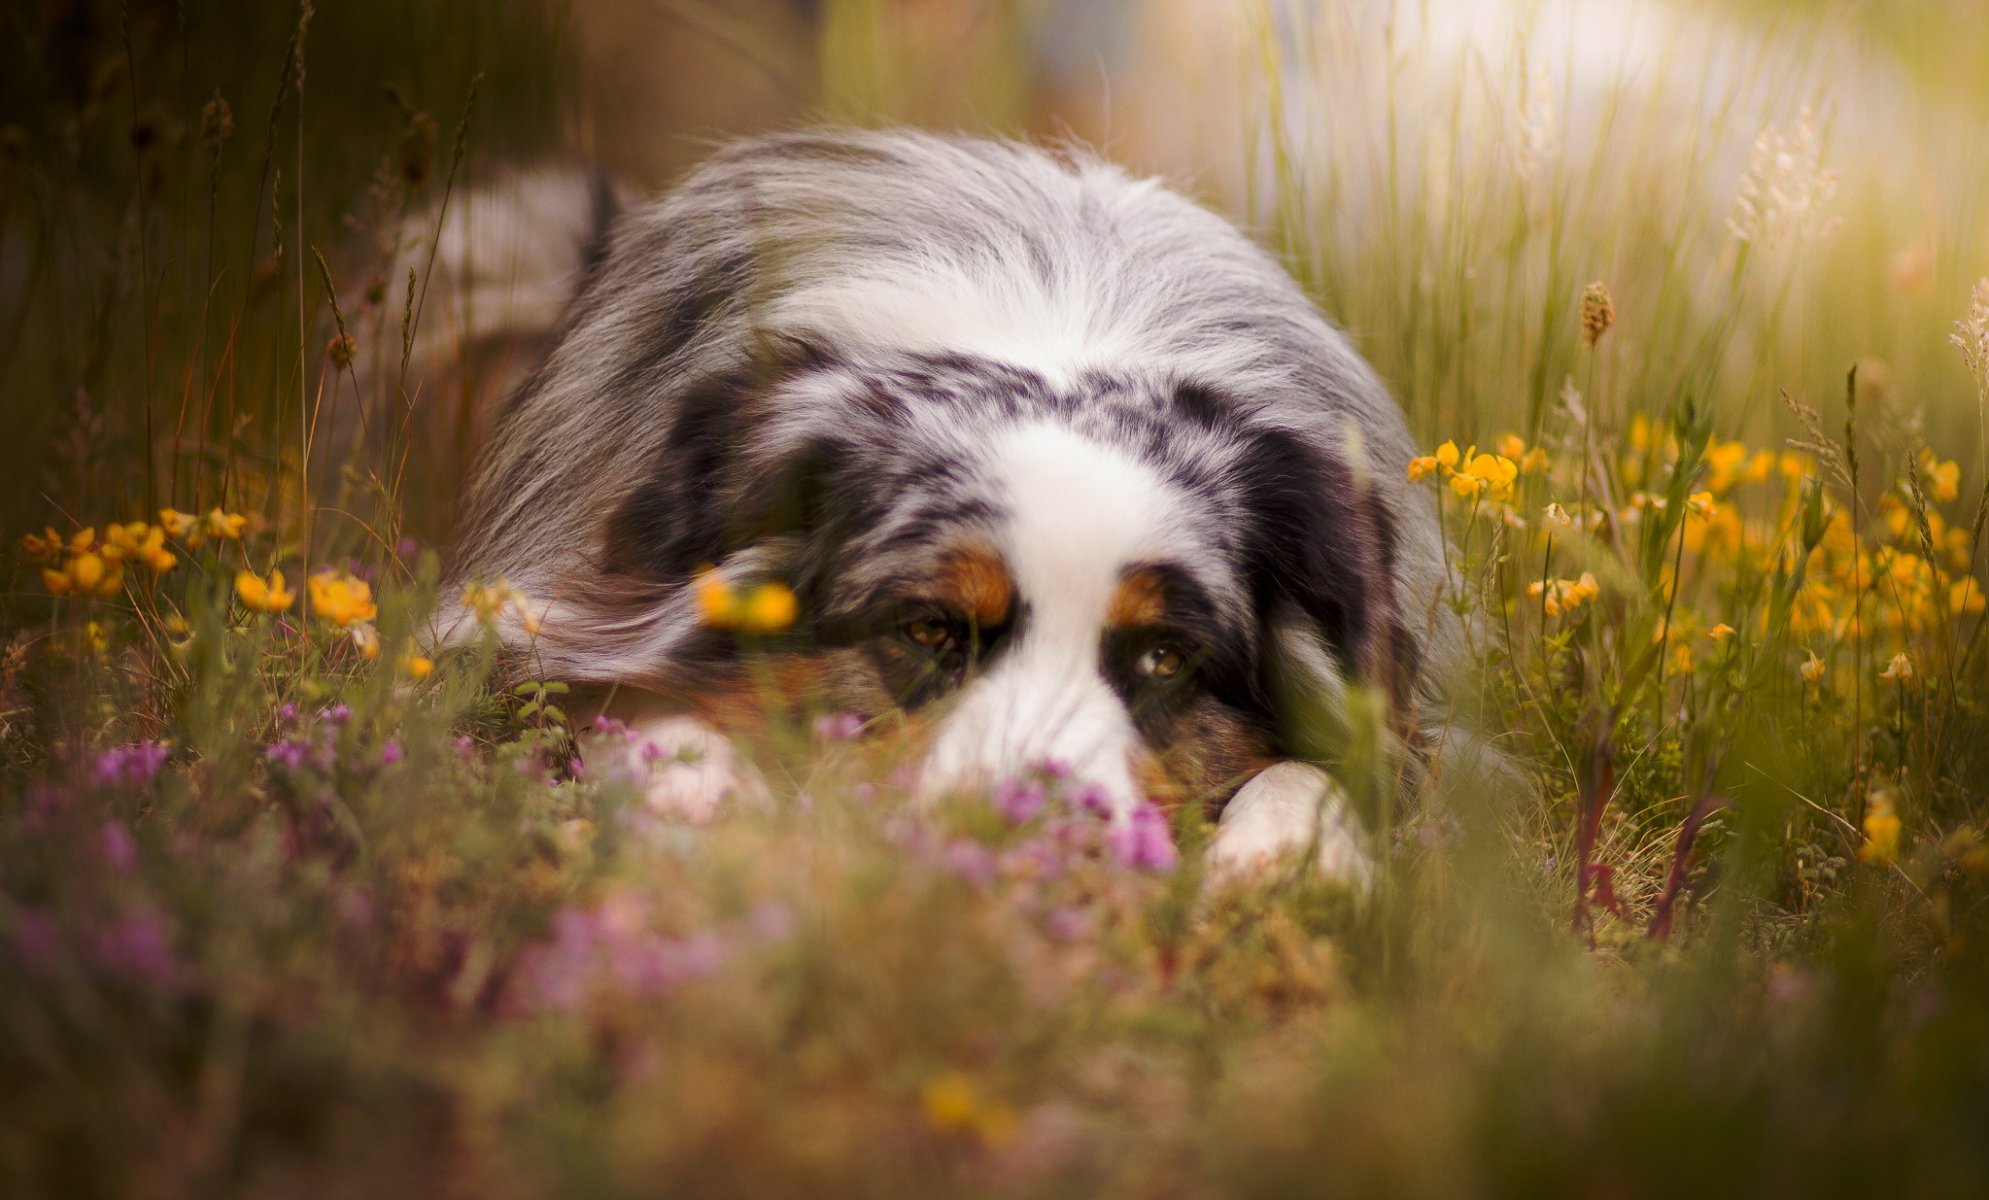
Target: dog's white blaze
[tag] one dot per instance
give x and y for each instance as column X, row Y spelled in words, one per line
column 1080, row 513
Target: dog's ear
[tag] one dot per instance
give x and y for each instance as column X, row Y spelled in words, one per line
column 716, row 485
column 1322, row 559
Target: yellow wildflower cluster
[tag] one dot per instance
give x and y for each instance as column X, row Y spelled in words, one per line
column 193, row 529
column 767, row 608
column 341, row 598
column 1559, row 596
column 1472, row 474
column 85, row 565
column 1855, row 586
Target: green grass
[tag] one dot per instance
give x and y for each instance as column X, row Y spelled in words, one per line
column 278, row 917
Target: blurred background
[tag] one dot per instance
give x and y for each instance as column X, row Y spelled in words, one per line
column 252, row 252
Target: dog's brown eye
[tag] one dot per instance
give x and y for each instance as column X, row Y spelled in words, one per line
column 1160, row 662
column 930, row 632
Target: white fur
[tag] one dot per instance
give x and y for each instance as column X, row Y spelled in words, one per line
column 1277, row 815
column 1081, row 513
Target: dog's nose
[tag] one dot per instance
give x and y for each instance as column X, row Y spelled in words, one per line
column 1008, row 729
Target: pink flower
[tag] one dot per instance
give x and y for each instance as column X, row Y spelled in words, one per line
column 119, row 850
column 1144, row 841
column 970, row 860
column 390, row 753
column 1019, row 799
column 134, row 764
column 136, row 948
column 771, row 921
column 838, row 727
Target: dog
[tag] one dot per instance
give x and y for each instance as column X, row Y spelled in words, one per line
column 1058, row 466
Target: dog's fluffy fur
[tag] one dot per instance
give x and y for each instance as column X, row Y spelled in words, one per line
column 1053, row 458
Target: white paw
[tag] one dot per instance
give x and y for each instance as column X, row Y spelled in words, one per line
column 686, row 769
column 1275, row 816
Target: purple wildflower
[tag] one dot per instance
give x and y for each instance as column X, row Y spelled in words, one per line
column 289, row 753
column 134, row 764
column 337, row 714
column 1144, row 841
column 1069, row 923
column 136, row 948
column 355, row 907
column 1092, row 799
column 1020, row 799
column 391, row 752
column 970, row 860
column 837, row 727
column 119, row 850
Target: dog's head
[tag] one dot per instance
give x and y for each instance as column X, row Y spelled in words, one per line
column 1118, row 573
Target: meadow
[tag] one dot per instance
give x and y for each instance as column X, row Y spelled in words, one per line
column 294, row 903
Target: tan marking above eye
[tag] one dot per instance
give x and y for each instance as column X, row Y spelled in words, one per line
column 974, row 582
column 1160, row 662
column 1140, row 599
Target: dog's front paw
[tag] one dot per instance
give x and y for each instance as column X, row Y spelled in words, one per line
column 1277, row 814
column 686, row 769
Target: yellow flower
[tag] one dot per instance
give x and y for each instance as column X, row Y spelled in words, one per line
column 178, row 524
column 366, row 638
column 715, row 598
column 1724, row 462
column 1881, row 845
column 952, row 1104
column 145, row 543
column 338, row 597
column 259, row 595
column 1899, row 670
column 1534, row 462
column 1943, row 478
column 772, row 608
column 87, row 573
column 1811, row 668
column 1681, row 659
column 1497, row 472
column 1420, row 468
column 1512, row 446
column 489, row 600
column 768, row 608
column 94, row 639
column 1466, row 485
column 1446, row 454
column 1557, row 596
column 47, row 546
column 418, row 666
column 1720, row 632
column 1965, row 598
column 1699, row 503
column 229, row 526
